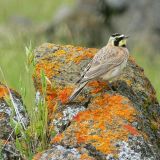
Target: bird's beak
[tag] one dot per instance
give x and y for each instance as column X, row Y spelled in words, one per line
column 126, row 37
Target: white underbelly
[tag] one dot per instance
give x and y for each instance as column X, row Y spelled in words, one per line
column 114, row 72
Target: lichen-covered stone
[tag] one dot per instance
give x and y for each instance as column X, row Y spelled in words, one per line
column 117, row 124
column 59, row 152
column 7, row 136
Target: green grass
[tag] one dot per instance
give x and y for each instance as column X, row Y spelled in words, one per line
column 13, row 64
column 12, row 47
column 37, row 10
column 150, row 64
column 33, row 138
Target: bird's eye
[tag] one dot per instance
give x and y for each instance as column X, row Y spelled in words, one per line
column 116, row 42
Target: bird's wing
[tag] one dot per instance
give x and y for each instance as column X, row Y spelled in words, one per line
column 93, row 62
column 104, row 61
column 84, row 72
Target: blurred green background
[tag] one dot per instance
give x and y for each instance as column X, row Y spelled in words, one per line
column 25, row 21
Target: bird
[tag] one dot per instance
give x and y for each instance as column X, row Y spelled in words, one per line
column 107, row 63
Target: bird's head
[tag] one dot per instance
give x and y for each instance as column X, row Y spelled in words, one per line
column 119, row 40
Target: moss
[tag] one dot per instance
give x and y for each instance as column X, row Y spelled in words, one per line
column 154, row 125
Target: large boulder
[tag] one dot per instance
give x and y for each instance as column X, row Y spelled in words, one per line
column 101, row 123
column 10, row 101
column 89, row 22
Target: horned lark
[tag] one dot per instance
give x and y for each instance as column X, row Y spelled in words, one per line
column 107, row 64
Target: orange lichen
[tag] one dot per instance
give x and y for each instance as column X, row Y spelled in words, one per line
column 50, row 45
column 83, row 56
column 97, row 86
column 51, row 94
column 3, row 91
column 103, row 123
column 79, row 48
column 131, row 129
column 57, row 138
column 77, row 117
column 50, row 69
column 64, row 94
column 81, row 137
column 86, row 157
column 59, row 53
column 37, row 156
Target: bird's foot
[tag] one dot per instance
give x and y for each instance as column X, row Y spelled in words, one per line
column 109, row 86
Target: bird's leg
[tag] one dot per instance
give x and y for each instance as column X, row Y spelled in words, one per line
column 102, row 83
column 109, row 85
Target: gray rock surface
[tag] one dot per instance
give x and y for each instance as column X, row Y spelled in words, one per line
column 7, row 112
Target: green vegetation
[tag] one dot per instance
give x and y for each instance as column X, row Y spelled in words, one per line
column 37, row 10
column 12, row 46
column 150, row 65
column 33, row 138
column 15, row 63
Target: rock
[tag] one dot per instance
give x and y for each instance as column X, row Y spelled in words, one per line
column 21, row 23
column 89, row 22
column 116, row 4
column 117, row 124
column 70, row 22
column 138, row 22
column 7, row 136
column 59, row 152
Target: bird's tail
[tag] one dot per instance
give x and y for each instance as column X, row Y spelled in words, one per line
column 77, row 91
